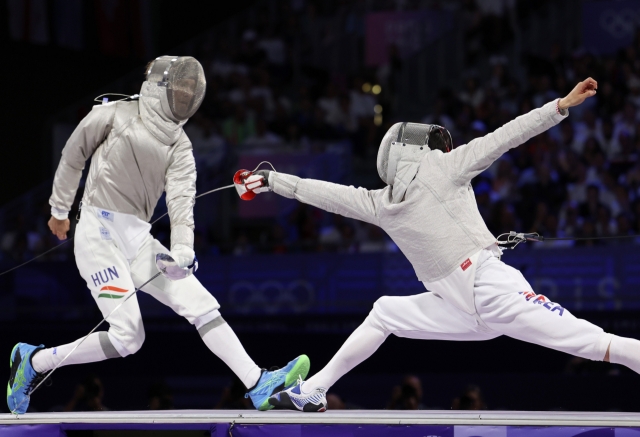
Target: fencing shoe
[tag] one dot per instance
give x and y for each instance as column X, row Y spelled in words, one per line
column 23, row 377
column 295, row 399
column 273, row 381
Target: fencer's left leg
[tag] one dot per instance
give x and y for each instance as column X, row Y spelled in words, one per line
column 106, row 271
column 506, row 303
column 190, row 299
column 423, row 316
column 310, row 395
column 360, row 345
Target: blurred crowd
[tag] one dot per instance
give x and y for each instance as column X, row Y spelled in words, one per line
column 250, row 107
column 579, row 179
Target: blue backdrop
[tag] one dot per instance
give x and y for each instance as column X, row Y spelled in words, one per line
column 602, row 278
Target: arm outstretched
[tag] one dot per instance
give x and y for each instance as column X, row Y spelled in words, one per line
column 467, row 161
column 357, row 203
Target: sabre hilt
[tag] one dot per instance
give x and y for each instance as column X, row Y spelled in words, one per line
column 170, row 269
column 248, row 183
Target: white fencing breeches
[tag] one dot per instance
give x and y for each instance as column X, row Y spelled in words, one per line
column 112, row 277
column 505, row 305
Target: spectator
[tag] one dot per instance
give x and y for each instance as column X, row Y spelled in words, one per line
column 330, row 104
column 262, row 138
column 208, row 144
column 470, row 399
column 274, row 47
column 243, row 245
column 88, row 396
column 233, row 398
column 335, row 402
column 408, row 395
column 239, row 127
column 160, row 397
column 588, row 127
column 472, row 94
column 590, row 207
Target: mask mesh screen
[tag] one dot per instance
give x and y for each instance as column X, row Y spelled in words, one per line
column 186, row 88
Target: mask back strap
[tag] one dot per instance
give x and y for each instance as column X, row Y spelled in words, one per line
column 425, row 141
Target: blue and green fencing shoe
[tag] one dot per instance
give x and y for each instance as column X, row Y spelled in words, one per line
column 23, row 377
column 274, row 381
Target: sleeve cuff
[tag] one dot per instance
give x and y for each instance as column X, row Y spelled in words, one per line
column 59, row 214
column 560, row 114
column 284, row 184
column 270, row 179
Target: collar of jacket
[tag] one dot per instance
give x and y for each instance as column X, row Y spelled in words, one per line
column 404, row 163
column 156, row 115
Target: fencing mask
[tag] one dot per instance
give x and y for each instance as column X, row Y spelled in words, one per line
column 183, row 78
column 401, row 152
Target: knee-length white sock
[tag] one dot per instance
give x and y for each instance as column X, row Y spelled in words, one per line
column 359, row 346
column 223, row 342
column 625, row 351
column 91, row 350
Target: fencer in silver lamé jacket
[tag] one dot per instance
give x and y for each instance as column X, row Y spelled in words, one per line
column 138, row 151
column 437, row 225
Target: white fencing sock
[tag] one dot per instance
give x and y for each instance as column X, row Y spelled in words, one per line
column 625, row 351
column 222, row 341
column 359, row 346
column 97, row 347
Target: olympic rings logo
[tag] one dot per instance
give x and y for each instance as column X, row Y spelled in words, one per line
column 620, row 24
column 271, row 297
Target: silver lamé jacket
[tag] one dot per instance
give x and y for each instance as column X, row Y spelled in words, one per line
column 137, row 151
column 437, row 225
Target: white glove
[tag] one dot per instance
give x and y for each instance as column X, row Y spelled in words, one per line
column 180, row 264
column 183, row 255
column 258, row 182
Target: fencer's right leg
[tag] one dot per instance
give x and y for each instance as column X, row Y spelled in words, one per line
column 107, row 274
column 507, row 304
column 190, row 299
column 625, row 351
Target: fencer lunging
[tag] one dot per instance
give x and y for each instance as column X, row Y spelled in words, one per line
column 138, row 150
column 428, row 208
